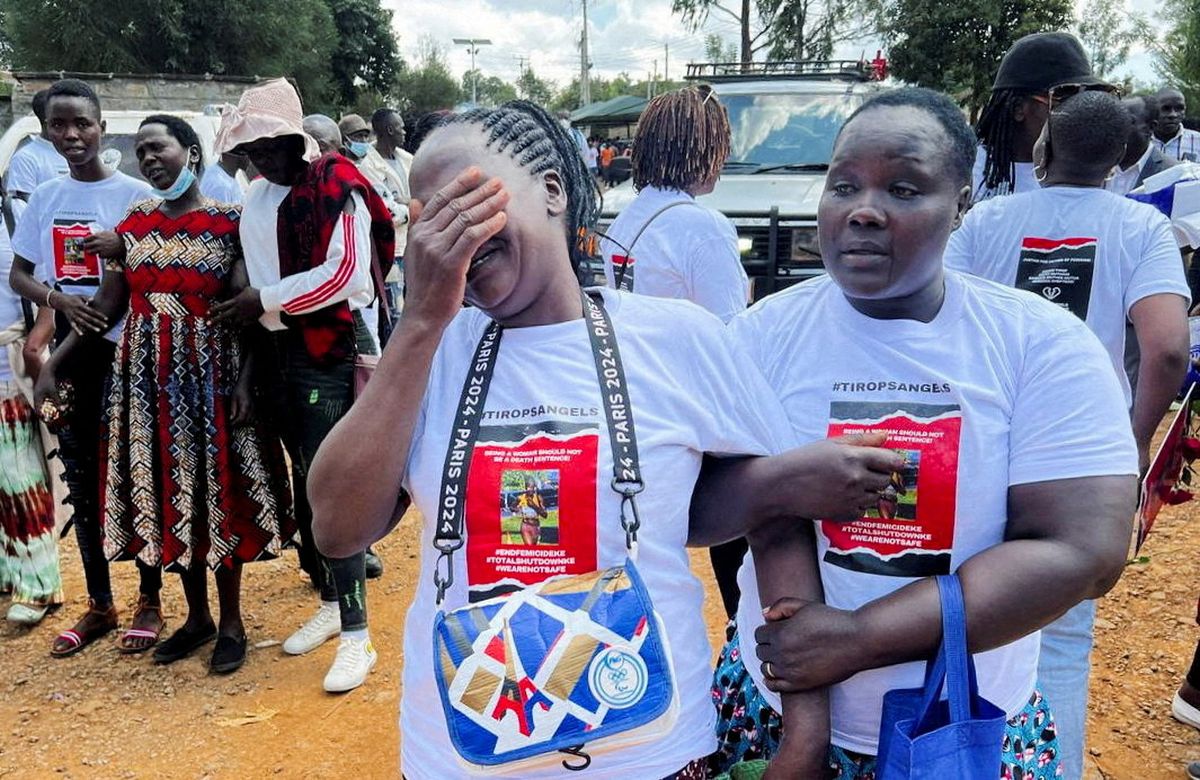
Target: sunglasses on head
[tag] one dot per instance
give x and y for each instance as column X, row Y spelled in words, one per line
column 1060, row 92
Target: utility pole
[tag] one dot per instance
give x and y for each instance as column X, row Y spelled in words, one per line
column 666, row 62
column 585, row 86
column 654, row 78
column 473, row 45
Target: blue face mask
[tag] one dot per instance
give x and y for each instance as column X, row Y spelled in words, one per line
column 183, row 183
column 358, row 149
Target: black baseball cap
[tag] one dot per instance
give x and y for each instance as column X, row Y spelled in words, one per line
column 1040, row 61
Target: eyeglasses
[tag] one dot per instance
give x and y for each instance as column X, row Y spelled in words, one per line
column 1060, row 92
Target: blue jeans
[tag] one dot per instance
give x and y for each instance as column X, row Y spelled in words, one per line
column 1064, row 669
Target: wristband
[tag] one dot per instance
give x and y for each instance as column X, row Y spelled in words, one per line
column 49, row 292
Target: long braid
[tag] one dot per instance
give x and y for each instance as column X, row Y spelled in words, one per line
column 682, row 140
column 535, row 140
column 996, row 130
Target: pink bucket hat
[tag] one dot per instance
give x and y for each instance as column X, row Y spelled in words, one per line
column 267, row 110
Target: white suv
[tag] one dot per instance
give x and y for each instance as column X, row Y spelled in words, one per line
column 784, row 117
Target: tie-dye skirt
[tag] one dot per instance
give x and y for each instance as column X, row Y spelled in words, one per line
column 28, row 549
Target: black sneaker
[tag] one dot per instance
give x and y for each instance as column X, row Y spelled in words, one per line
column 373, row 564
column 1193, row 770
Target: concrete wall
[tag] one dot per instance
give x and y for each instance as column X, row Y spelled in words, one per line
column 149, row 92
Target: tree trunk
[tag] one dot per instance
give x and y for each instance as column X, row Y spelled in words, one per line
column 747, row 53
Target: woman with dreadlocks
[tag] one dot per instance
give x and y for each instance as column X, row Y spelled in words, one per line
column 1013, row 118
column 588, row 648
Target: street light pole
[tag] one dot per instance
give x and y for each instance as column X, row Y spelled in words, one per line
column 473, row 45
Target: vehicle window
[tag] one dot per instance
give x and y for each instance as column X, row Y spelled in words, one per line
column 786, row 129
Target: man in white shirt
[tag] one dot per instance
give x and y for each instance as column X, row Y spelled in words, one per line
column 389, row 142
column 308, row 230
column 1170, row 136
column 35, row 162
column 1105, row 259
column 1142, row 159
column 225, row 181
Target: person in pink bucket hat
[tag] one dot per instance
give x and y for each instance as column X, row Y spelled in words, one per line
column 310, row 227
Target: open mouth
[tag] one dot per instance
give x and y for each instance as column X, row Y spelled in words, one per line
column 484, row 254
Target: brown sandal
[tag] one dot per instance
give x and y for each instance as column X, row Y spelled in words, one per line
column 94, row 624
column 126, row 644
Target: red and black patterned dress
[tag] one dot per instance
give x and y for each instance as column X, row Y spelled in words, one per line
column 181, row 483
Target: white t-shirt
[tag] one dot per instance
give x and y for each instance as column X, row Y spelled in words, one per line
column 690, row 394
column 217, row 184
column 999, row 389
column 10, row 302
column 1094, row 253
column 64, row 211
column 1023, row 179
column 35, row 162
column 593, row 157
column 687, row 252
column 1125, row 179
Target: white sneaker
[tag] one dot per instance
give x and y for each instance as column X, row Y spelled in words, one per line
column 323, row 626
column 1184, row 712
column 355, row 659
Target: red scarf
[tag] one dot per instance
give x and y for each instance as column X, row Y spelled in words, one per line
column 307, row 217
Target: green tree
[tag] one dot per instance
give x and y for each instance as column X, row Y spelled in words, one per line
column 492, row 90
column 717, row 50
column 783, row 29
column 366, row 55
column 956, row 46
column 1108, row 32
column 531, row 87
column 1177, row 56
column 295, row 38
column 429, row 86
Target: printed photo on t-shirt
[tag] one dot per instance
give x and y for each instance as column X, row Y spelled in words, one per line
column 531, row 505
column 899, row 537
column 72, row 263
column 1059, row 270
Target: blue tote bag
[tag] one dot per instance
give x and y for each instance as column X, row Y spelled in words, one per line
column 924, row 736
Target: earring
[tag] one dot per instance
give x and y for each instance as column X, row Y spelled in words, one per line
column 1039, row 173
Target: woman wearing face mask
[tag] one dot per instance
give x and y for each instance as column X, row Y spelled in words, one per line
column 186, row 481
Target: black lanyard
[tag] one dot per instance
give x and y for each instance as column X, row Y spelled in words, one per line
column 614, row 393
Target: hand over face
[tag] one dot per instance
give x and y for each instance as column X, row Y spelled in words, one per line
column 806, row 645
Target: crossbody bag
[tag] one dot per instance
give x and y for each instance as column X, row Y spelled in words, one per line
column 623, row 272
column 567, row 668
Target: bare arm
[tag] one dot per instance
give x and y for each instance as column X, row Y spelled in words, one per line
column 82, row 316
column 110, row 303
column 36, row 342
column 1160, row 322
column 831, row 479
column 785, row 562
column 1076, row 528
column 355, row 479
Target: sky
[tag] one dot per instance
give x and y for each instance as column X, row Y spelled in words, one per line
column 625, row 35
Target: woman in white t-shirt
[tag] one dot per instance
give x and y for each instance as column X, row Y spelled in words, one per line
column 503, row 234
column 1018, row 474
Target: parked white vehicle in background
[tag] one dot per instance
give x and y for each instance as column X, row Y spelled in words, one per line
column 120, row 130
column 784, row 117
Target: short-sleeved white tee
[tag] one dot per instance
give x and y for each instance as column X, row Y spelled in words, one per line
column 1091, row 252
column 61, row 214
column 687, row 252
column 1023, row 179
column 689, row 395
column 34, row 163
column 999, row 389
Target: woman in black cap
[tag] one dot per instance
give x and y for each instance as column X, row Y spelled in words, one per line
column 1012, row 120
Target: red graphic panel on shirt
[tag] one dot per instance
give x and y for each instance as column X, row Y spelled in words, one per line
column 531, row 506
column 623, row 270
column 1059, row 270
column 910, row 530
column 72, row 264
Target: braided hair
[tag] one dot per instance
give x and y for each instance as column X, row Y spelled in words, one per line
column 996, row 130
column 536, row 141
column 682, row 140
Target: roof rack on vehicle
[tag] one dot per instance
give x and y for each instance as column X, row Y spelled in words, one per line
column 825, row 70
